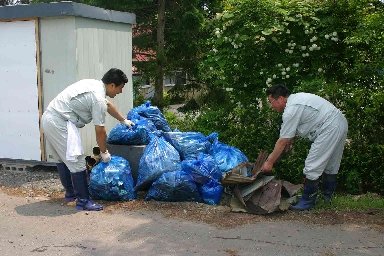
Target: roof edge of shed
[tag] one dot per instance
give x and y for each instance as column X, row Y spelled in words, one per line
column 65, row 8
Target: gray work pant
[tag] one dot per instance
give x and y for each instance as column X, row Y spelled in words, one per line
column 327, row 150
column 56, row 134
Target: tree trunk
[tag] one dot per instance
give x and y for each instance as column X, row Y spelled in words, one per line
column 159, row 84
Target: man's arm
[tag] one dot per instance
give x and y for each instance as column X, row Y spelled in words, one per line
column 280, row 145
column 112, row 110
column 101, row 138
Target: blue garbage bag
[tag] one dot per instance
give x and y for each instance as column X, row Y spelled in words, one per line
column 158, row 157
column 202, row 169
column 112, row 180
column 211, row 192
column 189, row 144
column 122, row 135
column 226, row 157
column 152, row 113
column 175, row 186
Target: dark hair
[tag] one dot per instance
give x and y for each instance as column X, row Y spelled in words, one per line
column 116, row 76
column 278, row 90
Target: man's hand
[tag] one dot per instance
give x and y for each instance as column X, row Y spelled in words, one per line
column 128, row 123
column 267, row 167
column 105, row 156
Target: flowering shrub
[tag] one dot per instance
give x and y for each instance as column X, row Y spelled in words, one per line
column 330, row 48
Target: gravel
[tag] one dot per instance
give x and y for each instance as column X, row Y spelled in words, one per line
column 44, row 181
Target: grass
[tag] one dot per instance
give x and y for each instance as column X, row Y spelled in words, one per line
column 341, row 202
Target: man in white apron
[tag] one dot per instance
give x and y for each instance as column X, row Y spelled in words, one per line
column 312, row 117
column 77, row 105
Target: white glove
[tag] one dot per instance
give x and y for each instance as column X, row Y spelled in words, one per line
column 128, row 123
column 106, row 157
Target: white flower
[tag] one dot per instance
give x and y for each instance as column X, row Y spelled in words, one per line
column 286, row 50
column 306, row 31
column 245, row 85
column 287, row 76
column 290, row 51
column 296, row 65
column 269, row 80
column 262, row 38
column 304, row 55
column 326, row 36
column 314, row 39
column 261, row 72
column 225, row 38
column 279, row 65
column 235, row 65
column 288, row 69
column 320, row 70
column 334, row 39
column 288, row 31
column 210, row 68
column 229, row 89
column 283, row 73
column 334, row 33
column 214, row 50
column 274, row 76
column 303, row 47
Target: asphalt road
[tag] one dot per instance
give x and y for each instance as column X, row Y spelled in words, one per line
column 38, row 226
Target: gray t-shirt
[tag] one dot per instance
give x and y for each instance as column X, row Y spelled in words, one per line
column 81, row 103
column 306, row 115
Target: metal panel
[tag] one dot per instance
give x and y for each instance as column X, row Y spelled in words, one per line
column 102, row 45
column 66, row 8
column 19, row 113
column 58, row 59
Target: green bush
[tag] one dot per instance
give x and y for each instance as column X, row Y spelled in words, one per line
column 330, row 48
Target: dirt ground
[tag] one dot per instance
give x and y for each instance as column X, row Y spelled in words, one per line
column 45, row 182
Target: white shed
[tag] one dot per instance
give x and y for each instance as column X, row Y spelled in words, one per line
column 45, row 47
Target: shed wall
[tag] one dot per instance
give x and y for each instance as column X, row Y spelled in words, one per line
column 74, row 48
column 102, row 45
column 19, row 113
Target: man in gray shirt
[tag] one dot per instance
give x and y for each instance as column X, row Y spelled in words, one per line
column 73, row 108
column 312, row 117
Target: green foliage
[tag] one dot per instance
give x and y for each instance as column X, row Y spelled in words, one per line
column 330, row 48
column 368, row 201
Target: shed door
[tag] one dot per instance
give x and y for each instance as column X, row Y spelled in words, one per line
column 19, row 112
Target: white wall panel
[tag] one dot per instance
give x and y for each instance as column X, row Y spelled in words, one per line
column 19, row 114
column 102, row 45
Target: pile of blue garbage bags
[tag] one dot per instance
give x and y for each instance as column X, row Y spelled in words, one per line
column 175, row 166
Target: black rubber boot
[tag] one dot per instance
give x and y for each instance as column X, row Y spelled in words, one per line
column 308, row 200
column 329, row 186
column 83, row 201
column 66, row 181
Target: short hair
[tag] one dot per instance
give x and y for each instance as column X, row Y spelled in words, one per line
column 116, row 76
column 278, row 90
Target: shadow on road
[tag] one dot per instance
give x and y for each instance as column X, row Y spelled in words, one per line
column 49, row 208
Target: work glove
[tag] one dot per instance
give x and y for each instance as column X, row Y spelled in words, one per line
column 128, row 123
column 106, row 157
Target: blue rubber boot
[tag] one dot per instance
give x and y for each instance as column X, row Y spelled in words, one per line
column 329, row 186
column 308, row 199
column 83, row 201
column 66, row 181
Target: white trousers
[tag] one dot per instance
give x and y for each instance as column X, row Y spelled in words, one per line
column 56, row 136
column 327, row 150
